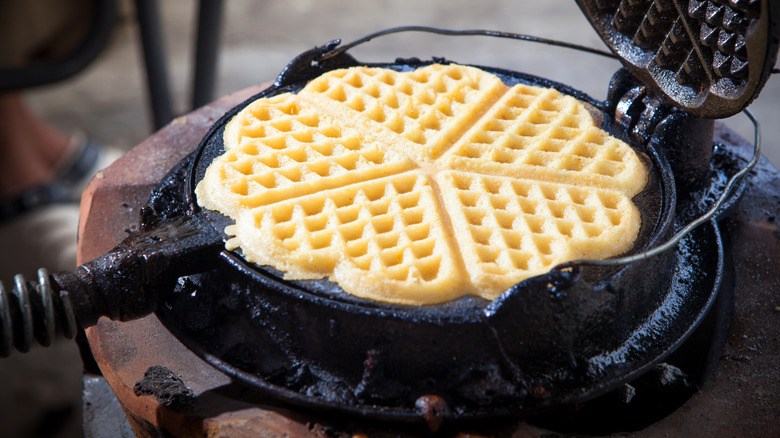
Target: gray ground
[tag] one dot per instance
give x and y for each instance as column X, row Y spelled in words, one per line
column 108, row 101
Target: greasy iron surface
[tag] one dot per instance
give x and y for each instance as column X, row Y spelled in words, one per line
column 710, row 58
column 558, row 338
column 739, row 398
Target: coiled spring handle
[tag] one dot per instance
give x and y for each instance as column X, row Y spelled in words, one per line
column 125, row 284
column 34, row 311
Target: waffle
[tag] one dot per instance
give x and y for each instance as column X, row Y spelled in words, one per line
column 421, row 187
column 542, row 134
column 381, row 238
column 429, row 107
column 509, row 229
column 282, row 147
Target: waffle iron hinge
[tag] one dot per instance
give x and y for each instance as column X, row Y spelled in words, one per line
column 685, row 140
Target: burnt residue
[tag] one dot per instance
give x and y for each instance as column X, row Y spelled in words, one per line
column 670, row 375
column 308, row 343
column 725, row 163
column 279, row 339
column 484, row 384
column 168, row 388
column 166, row 200
column 378, row 382
column 432, row 409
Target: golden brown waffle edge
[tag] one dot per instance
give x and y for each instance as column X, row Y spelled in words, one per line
column 420, row 187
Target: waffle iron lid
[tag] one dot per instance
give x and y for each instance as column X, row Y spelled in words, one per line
column 709, row 58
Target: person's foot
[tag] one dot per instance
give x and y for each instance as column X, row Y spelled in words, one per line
column 42, row 175
column 30, row 150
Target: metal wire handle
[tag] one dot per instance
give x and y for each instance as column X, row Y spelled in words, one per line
column 706, row 217
column 617, row 261
column 468, row 32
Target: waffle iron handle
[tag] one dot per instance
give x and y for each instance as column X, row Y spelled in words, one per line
column 312, row 63
column 124, row 284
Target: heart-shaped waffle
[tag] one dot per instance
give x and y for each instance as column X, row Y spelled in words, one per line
column 421, row 187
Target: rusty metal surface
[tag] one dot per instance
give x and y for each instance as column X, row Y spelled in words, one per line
column 741, row 399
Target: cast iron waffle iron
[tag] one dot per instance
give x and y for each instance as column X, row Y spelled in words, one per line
column 558, row 338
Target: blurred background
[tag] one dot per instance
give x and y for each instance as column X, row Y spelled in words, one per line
column 109, row 102
column 109, row 99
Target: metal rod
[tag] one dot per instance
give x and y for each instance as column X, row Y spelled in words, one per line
column 706, row 217
column 206, row 51
column 472, row 32
column 155, row 62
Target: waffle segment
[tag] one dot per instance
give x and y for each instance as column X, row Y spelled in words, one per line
column 421, row 187
column 509, row 229
column 543, row 134
column 282, row 147
column 429, row 106
column 381, row 239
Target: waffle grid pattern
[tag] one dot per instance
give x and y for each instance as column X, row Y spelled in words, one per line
column 281, row 148
column 516, row 228
column 421, row 187
column 541, row 133
column 390, row 225
column 425, row 106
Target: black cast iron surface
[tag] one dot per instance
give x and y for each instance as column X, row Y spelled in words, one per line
column 559, row 338
column 264, row 340
column 738, row 396
column 709, row 57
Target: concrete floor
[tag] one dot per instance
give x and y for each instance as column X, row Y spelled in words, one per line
column 108, row 100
